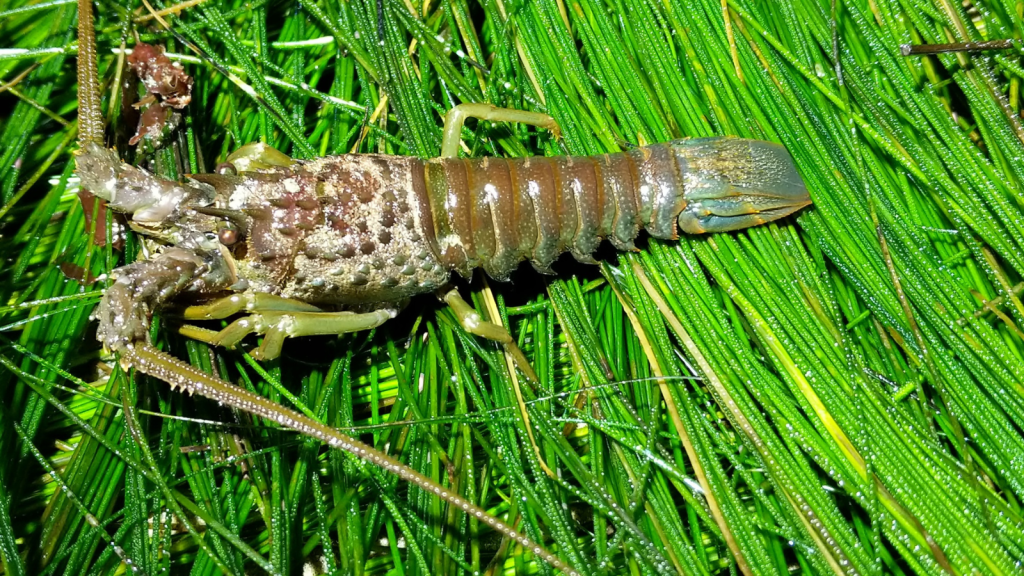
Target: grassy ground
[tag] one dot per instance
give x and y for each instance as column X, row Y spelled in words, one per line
column 839, row 393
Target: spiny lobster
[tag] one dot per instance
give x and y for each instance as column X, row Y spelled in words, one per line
column 290, row 243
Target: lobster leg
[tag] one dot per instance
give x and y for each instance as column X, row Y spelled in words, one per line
column 224, row 338
column 472, row 322
column 257, row 155
column 455, row 117
column 277, row 319
column 245, row 302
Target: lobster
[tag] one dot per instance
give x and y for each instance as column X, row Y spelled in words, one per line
column 339, row 244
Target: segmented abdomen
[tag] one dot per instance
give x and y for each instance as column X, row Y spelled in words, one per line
column 494, row 212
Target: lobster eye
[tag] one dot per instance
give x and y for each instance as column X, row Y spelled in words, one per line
column 228, row 234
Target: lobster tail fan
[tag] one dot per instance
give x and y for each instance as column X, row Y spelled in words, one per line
column 734, row 183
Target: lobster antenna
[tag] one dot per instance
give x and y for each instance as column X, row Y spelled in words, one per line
column 90, row 117
column 161, row 365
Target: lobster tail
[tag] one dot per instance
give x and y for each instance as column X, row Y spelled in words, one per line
column 493, row 213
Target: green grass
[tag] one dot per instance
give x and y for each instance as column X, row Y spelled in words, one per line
column 831, row 394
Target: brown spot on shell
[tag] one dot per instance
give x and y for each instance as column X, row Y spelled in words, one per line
column 367, row 247
column 337, row 223
column 384, row 237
